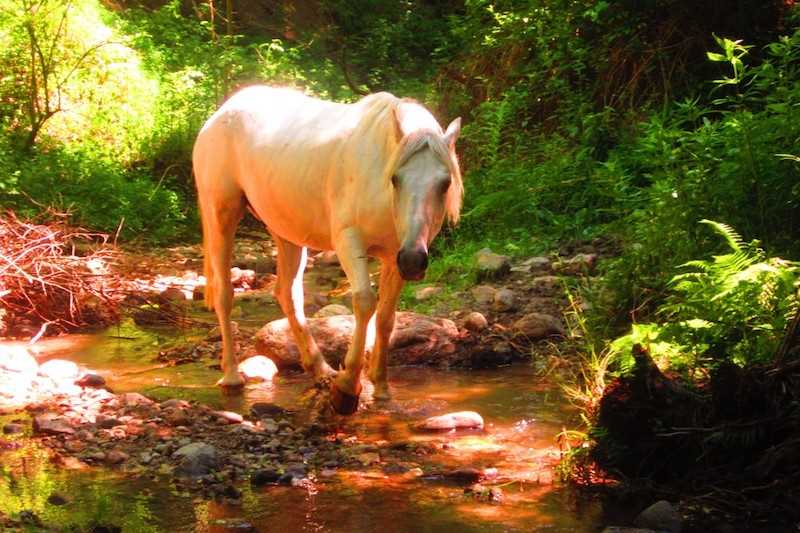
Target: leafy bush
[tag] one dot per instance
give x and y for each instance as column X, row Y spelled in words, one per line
column 734, row 307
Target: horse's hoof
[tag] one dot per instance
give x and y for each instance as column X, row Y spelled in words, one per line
column 381, row 393
column 344, row 403
column 232, row 384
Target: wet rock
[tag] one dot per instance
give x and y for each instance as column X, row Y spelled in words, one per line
column 107, row 422
column 258, row 368
column 52, row 424
column 332, row 310
column 491, row 265
column 242, row 277
column 485, row 494
column 174, row 403
column 229, row 417
column 57, row 499
column 417, row 339
column 263, row 477
column 94, row 381
column 660, row 516
column 265, row 409
column 177, row 416
column 12, row 428
column 537, row 325
column 504, row 300
column 483, row 294
column 475, row 322
column 426, row 293
column 59, row 370
column 196, row 459
column 457, row 420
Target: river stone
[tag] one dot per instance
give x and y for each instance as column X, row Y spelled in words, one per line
column 483, row 294
column 258, row 368
column 537, row 325
column 660, row 516
column 458, row 420
column 475, row 322
column 504, row 300
column 332, row 310
column 133, row 399
column 12, row 428
column 267, row 410
column 264, row 476
column 491, row 265
column 229, row 417
column 94, row 381
column 59, row 370
column 417, row 339
column 196, row 459
column 539, row 263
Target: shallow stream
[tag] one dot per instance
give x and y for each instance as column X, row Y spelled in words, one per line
column 523, row 415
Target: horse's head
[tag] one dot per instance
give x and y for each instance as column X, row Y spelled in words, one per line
column 427, row 188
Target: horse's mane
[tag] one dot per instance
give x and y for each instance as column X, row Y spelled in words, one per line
column 381, row 113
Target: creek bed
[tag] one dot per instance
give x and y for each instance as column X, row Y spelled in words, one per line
column 523, row 415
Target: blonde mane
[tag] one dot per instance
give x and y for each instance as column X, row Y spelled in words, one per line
column 398, row 148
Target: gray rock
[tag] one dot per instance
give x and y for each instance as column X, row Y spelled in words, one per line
column 537, row 325
column 576, row 265
column 267, row 410
column 547, row 285
column 660, row 516
column 504, row 300
column 196, row 459
column 475, row 322
column 483, row 294
column 539, row 263
column 491, row 265
column 333, row 310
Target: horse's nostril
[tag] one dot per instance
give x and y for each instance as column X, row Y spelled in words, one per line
column 412, row 264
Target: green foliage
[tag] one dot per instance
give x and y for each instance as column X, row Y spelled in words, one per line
column 732, row 307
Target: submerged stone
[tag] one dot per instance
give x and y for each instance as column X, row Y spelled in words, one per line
column 458, row 420
column 197, row 459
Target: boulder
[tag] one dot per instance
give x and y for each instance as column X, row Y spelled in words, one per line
column 417, row 339
column 537, row 325
column 491, row 265
column 660, row 516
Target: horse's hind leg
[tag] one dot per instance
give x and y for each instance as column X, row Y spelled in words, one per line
column 220, row 219
column 289, row 292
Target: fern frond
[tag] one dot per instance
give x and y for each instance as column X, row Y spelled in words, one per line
column 730, row 235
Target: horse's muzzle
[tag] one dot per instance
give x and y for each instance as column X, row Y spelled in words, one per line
column 412, row 264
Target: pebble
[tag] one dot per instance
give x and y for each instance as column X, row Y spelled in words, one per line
column 94, row 381
column 504, row 300
column 475, row 322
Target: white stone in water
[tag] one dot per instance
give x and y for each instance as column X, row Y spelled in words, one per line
column 258, row 368
column 59, row 370
column 457, row 420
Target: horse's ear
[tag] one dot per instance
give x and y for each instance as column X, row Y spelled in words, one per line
column 453, row 130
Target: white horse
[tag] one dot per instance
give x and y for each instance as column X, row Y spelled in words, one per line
column 371, row 179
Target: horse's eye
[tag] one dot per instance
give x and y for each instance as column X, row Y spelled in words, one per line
column 443, row 186
column 394, row 180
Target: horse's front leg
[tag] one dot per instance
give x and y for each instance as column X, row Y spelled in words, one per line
column 352, row 253
column 389, row 290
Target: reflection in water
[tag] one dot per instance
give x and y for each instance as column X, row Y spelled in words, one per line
column 522, row 415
